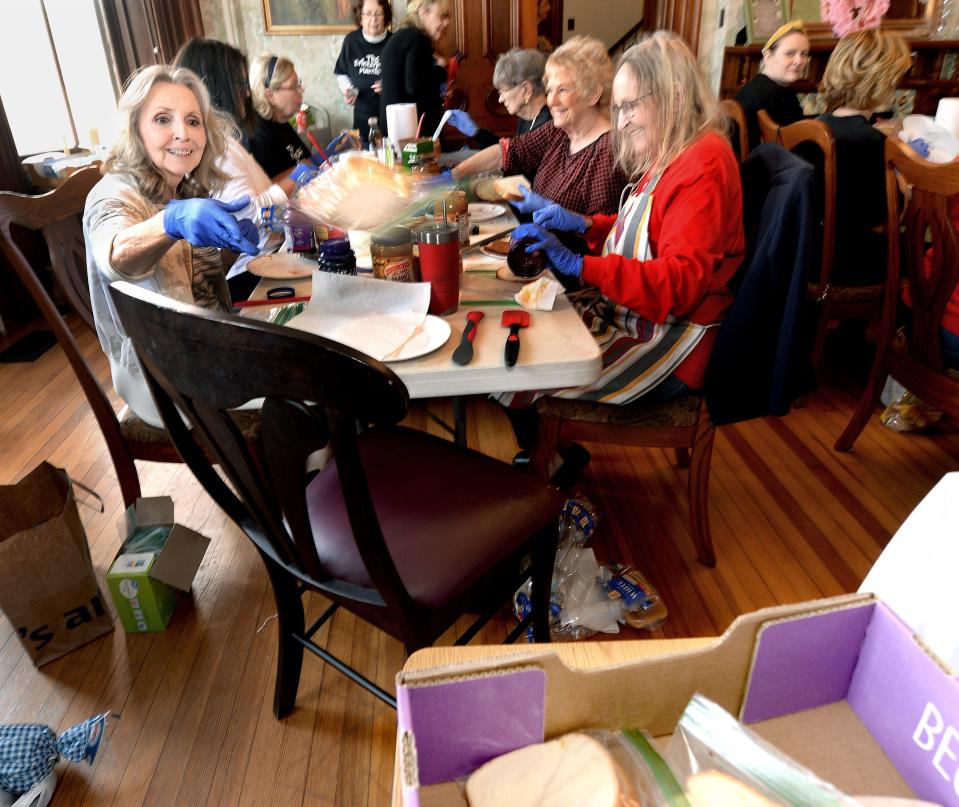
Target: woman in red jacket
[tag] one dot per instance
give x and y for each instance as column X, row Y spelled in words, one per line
column 656, row 283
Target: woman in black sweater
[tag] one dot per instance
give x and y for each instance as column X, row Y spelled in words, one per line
column 277, row 94
column 861, row 78
column 784, row 61
column 409, row 73
column 359, row 68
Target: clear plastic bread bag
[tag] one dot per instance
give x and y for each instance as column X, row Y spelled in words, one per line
column 354, row 191
column 718, row 760
column 578, row 603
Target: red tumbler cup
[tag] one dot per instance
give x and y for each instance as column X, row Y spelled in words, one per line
column 440, row 265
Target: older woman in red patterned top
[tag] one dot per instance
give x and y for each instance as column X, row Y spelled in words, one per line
column 571, row 157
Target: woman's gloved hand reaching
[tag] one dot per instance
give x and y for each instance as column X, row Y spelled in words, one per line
column 531, row 201
column 209, row 223
column 564, row 260
column 556, row 217
column 461, row 120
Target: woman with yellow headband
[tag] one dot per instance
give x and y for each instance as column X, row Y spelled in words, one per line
column 784, row 61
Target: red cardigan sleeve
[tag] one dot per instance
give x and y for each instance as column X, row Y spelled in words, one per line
column 596, row 235
column 695, row 222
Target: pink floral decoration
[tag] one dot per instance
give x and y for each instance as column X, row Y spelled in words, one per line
column 846, row 16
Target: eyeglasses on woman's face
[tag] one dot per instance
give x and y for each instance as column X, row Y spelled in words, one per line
column 372, row 15
column 627, row 108
column 298, row 87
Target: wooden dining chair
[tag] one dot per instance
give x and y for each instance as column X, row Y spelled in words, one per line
column 739, row 134
column 58, row 216
column 928, row 248
column 403, row 529
column 812, row 139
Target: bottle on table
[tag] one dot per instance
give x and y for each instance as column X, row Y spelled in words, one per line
column 375, row 139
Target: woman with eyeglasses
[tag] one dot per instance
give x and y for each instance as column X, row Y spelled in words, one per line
column 656, row 279
column 409, row 70
column 518, row 76
column 358, row 69
column 571, row 154
column 277, row 94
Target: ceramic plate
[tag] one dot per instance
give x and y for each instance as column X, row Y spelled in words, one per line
column 480, row 212
column 281, row 266
column 432, row 336
column 495, row 249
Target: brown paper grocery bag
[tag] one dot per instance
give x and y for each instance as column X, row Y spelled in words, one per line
column 48, row 589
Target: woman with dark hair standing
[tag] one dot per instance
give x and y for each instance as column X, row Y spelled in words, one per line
column 358, row 69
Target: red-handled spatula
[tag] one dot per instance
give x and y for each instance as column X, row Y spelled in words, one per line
column 514, row 320
column 464, row 353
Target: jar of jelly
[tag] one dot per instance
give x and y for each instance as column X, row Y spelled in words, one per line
column 337, row 257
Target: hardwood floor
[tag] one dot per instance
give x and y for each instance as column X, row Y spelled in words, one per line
column 791, row 520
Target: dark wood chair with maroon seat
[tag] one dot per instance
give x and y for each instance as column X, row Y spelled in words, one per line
column 916, row 361
column 404, row 529
column 58, row 216
column 814, row 139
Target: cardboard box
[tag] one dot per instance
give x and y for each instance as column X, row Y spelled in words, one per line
column 158, row 558
column 841, row 685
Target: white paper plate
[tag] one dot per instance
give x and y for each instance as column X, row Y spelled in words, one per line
column 432, row 336
column 479, row 212
column 281, row 266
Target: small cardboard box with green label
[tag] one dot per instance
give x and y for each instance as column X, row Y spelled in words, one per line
column 158, row 558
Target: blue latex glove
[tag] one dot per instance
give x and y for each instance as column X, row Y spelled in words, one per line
column 555, row 217
column 251, row 236
column 462, row 121
column 920, row 146
column 208, row 223
column 531, row 202
column 563, row 260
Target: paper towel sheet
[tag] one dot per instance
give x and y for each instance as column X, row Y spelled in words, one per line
column 373, row 316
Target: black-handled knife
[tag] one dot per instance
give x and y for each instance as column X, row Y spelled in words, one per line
column 464, row 353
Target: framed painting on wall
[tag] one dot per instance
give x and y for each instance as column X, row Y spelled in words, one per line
column 308, row 16
column 763, row 17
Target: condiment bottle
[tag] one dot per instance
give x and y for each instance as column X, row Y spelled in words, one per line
column 375, row 139
column 457, row 212
column 392, row 253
